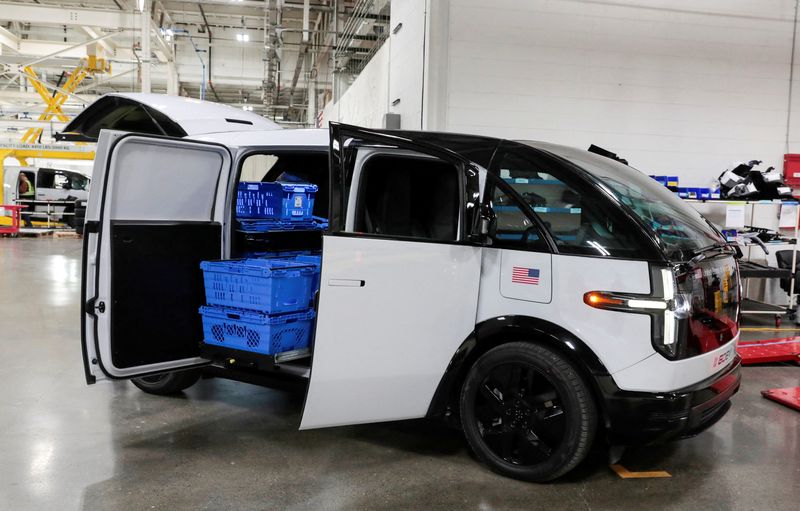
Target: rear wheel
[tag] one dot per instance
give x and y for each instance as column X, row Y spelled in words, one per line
column 167, row 383
column 527, row 413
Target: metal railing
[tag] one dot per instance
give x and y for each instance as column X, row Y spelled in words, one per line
column 50, row 215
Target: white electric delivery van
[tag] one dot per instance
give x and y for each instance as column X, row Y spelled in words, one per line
column 536, row 296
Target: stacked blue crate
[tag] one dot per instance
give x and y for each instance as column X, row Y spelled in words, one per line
column 259, row 305
column 278, row 206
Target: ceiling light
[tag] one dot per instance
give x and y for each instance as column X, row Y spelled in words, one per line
column 247, row 108
column 243, row 38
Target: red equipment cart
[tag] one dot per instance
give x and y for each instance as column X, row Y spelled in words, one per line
column 15, row 214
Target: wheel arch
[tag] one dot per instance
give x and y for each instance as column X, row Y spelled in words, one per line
column 504, row 329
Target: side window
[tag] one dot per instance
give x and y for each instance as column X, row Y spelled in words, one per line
column 578, row 219
column 45, row 178
column 78, row 182
column 60, row 181
column 407, row 196
column 514, row 228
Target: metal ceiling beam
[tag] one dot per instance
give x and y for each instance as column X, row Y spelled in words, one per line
column 7, row 38
column 69, row 48
column 46, row 15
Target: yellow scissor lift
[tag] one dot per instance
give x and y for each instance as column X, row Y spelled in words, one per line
column 29, row 146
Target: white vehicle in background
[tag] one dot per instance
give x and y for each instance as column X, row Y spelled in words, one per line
column 51, row 185
column 536, row 296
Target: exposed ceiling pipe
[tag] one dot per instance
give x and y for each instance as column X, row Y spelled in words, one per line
column 210, row 46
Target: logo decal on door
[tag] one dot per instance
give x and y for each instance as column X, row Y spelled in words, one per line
column 521, row 275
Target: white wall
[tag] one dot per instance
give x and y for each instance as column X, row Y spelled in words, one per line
column 406, row 61
column 366, row 101
column 675, row 86
column 392, row 82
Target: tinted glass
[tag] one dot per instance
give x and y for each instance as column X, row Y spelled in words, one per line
column 680, row 227
column 514, row 229
column 577, row 217
column 78, row 182
column 45, row 178
column 408, row 197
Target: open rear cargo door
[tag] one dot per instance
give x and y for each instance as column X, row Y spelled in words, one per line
column 155, row 212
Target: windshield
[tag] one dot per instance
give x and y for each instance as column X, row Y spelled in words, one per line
column 681, row 229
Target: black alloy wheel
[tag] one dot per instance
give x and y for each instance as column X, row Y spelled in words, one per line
column 526, row 412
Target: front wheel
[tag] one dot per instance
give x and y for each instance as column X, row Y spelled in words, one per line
column 527, row 413
column 167, row 383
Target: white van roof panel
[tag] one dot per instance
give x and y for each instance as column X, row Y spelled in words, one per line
column 160, row 114
column 196, row 116
column 287, row 137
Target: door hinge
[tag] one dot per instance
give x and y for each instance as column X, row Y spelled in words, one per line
column 101, row 307
column 91, row 226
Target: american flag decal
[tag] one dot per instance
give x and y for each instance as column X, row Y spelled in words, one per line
column 522, row 275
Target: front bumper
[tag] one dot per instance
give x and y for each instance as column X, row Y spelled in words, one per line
column 645, row 417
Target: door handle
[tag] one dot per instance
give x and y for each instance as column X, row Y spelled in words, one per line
column 346, row 283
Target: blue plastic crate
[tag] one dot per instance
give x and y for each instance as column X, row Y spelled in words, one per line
column 292, row 202
column 255, row 332
column 272, row 286
column 315, row 224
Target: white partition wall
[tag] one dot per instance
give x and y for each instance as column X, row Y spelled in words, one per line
column 678, row 87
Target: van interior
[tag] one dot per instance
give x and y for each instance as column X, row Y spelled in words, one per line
column 400, row 194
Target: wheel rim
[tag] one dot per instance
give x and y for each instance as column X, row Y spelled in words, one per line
column 519, row 414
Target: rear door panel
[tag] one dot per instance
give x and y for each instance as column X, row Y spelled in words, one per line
column 158, row 211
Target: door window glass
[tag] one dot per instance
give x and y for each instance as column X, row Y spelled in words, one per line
column 514, row 229
column 408, row 196
column 45, row 178
column 60, row 181
column 78, row 182
column 580, row 220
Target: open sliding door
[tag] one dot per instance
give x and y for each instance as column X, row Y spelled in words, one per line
column 399, row 283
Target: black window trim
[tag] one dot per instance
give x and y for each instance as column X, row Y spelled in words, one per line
column 493, row 181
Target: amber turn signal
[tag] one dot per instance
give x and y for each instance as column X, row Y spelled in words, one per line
column 599, row 300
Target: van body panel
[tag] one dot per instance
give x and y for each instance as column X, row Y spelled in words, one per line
column 619, row 339
column 657, row 374
column 382, row 345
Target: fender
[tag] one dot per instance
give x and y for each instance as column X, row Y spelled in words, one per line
column 499, row 330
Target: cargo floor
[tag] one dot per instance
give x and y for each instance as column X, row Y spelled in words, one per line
column 228, row 445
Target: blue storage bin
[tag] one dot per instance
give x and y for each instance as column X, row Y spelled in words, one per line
column 266, row 285
column 256, row 332
column 662, row 180
column 314, row 224
column 292, row 202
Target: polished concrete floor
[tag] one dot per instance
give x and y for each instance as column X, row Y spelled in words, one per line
column 227, row 445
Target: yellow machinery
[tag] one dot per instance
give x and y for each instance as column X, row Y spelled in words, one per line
column 29, row 148
column 89, row 65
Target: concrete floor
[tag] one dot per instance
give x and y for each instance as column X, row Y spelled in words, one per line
column 227, row 445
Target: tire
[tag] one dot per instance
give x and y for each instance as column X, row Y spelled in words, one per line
column 167, row 383
column 527, row 413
